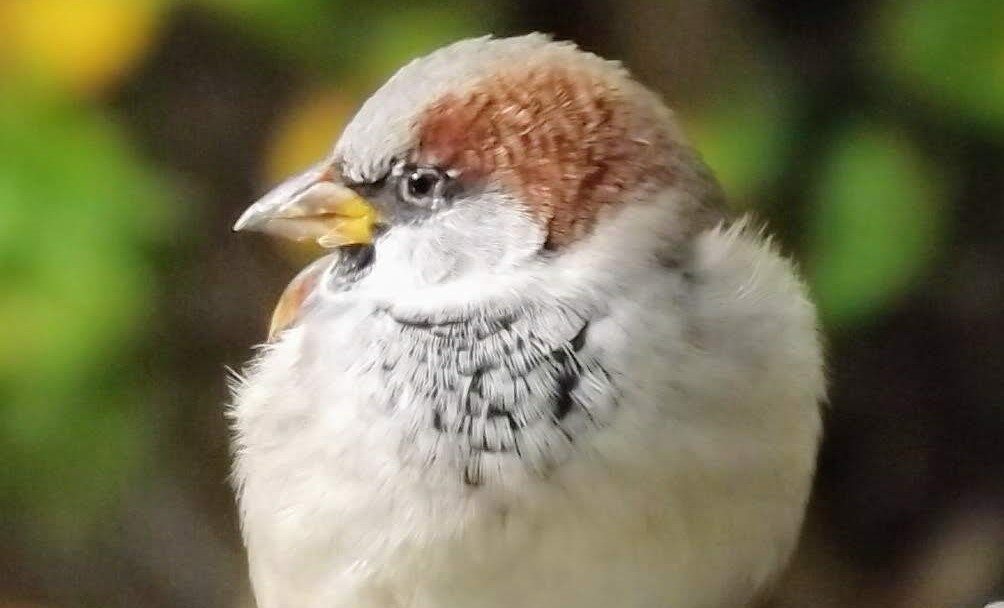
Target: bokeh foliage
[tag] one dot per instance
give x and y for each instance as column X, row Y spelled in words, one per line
column 79, row 213
column 949, row 55
column 876, row 222
column 88, row 217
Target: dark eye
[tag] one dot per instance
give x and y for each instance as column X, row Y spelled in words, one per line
column 423, row 186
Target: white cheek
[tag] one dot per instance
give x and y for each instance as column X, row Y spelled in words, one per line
column 492, row 233
column 397, row 265
column 484, row 235
column 434, row 263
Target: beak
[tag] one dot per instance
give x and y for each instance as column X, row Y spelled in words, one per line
column 313, row 205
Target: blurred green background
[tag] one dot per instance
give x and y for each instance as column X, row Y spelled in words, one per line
column 870, row 135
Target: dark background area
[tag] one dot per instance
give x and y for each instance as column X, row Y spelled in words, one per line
column 869, row 136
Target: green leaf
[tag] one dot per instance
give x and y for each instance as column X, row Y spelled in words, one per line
column 877, row 222
column 950, row 54
column 415, row 29
column 363, row 42
column 745, row 138
column 78, row 213
column 305, row 30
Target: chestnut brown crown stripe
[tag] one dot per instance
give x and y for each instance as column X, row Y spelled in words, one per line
column 567, row 141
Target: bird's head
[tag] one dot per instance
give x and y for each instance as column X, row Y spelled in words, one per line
column 490, row 153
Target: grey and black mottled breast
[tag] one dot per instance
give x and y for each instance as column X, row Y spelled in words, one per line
column 485, row 395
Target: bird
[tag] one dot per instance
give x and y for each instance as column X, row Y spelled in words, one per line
column 539, row 363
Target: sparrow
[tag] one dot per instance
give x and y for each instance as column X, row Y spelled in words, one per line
column 539, row 365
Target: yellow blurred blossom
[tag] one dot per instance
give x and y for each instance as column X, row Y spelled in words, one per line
column 306, row 132
column 83, row 46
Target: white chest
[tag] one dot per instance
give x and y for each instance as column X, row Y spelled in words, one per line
column 688, row 492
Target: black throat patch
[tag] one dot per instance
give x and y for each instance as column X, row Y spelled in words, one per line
column 493, row 396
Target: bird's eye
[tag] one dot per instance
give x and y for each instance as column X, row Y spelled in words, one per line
column 423, row 186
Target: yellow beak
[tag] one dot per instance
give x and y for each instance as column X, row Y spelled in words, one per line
column 312, row 205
